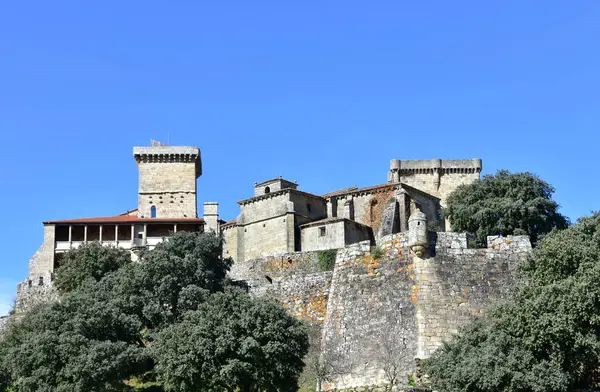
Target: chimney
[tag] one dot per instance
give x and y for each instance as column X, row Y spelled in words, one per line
column 211, row 217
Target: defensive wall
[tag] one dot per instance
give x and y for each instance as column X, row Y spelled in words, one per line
column 385, row 297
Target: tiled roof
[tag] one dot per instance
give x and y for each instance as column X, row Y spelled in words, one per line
column 330, row 220
column 126, row 218
column 231, row 222
column 355, row 189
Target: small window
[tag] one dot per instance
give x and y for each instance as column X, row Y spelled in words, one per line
column 153, row 212
column 267, row 190
column 308, row 208
column 41, row 281
column 322, row 231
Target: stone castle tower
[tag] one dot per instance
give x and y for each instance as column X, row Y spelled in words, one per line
column 167, row 181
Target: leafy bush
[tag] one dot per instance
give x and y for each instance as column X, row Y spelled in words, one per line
column 505, row 203
column 327, row 259
column 377, row 252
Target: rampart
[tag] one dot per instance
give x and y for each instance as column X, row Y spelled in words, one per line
column 34, row 291
column 385, row 299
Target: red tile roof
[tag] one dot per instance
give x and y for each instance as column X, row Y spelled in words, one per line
column 126, row 218
column 231, row 222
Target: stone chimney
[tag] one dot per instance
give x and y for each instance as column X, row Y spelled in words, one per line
column 211, row 217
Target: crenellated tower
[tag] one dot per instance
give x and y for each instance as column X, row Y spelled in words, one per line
column 167, row 181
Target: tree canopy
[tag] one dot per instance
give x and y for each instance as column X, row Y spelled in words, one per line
column 505, row 203
column 115, row 323
column 546, row 337
column 232, row 342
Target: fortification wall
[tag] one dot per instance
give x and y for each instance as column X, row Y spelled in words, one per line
column 294, row 279
column 34, row 291
column 458, row 284
column 42, row 261
column 370, row 311
column 409, row 303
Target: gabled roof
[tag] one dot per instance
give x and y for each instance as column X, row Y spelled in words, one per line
column 125, row 217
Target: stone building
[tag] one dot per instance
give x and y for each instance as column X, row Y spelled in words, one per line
column 167, row 202
column 280, row 218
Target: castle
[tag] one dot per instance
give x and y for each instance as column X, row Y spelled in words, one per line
column 423, row 285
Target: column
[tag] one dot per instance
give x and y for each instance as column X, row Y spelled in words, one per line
column 144, row 236
column 100, row 236
column 132, row 236
column 116, row 235
column 70, row 237
column 85, row 234
column 175, row 228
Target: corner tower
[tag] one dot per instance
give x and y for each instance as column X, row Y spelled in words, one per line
column 167, row 180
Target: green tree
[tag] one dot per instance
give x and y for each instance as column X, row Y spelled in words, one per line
column 88, row 262
column 505, row 203
column 107, row 332
column 232, row 342
column 97, row 335
column 546, row 337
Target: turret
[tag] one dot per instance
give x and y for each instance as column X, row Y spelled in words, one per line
column 417, row 232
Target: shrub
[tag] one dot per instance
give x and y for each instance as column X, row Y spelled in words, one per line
column 327, row 259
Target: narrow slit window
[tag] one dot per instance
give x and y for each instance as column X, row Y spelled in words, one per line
column 153, row 212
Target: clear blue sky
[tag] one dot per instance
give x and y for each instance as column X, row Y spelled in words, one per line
column 322, row 92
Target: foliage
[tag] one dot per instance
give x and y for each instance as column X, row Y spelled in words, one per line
column 232, row 342
column 327, row 259
column 505, row 203
column 377, row 252
column 88, row 262
column 99, row 335
column 546, row 337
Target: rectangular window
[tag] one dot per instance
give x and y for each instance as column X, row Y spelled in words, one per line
column 321, row 231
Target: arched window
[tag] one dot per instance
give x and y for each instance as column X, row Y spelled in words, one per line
column 153, row 212
column 267, row 190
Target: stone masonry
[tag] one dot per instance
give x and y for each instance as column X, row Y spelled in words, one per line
column 392, row 297
column 167, row 181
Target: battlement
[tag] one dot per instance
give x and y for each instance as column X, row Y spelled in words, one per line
column 34, row 290
column 447, row 166
column 169, row 154
column 438, row 177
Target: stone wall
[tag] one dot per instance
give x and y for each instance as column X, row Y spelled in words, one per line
column 458, row 284
column 268, row 236
column 230, row 236
column 42, row 261
column 409, row 303
column 436, row 176
column 33, row 291
column 294, row 279
column 367, row 205
column 370, row 310
column 327, row 234
column 170, row 187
